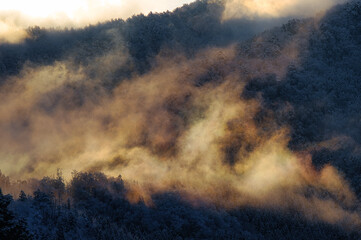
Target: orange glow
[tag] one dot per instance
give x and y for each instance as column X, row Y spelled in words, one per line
column 275, row 8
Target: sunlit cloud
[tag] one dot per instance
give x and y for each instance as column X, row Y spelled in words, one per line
column 82, row 10
column 275, row 8
column 17, row 15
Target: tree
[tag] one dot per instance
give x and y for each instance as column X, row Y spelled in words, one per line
column 10, row 228
column 22, row 196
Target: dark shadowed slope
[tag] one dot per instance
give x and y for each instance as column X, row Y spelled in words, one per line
column 323, row 91
column 97, row 209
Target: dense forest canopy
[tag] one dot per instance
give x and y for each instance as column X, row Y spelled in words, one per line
column 184, row 125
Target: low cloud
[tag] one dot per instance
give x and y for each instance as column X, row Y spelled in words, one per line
column 272, row 8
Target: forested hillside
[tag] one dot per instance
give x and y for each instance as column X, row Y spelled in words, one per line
column 184, row 125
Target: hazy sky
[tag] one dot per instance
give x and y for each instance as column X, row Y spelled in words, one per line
column 80, row 10
column 77, row 13
column 17, row 15
column 277, row 8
